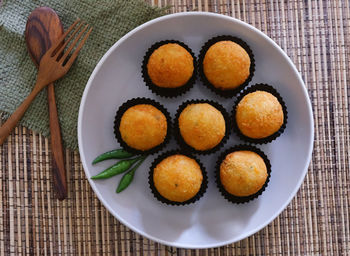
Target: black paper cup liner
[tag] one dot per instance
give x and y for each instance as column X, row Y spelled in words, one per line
column 168, row 92
column 206, row 46
column 241, row 199
column 162, row 199
column 266, row 88
column 136, row 101
column 181, row 142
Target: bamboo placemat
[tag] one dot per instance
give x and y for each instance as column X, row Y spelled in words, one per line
column 316, row 36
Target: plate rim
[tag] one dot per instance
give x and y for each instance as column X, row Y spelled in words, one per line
column 83, row 102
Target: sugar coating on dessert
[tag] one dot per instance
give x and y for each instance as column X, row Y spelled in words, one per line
column 170, row 66
column 226, row 65
column 202, row 126
column 178, row 178
column 243, row 173
column 259, row 114
column 143, row 127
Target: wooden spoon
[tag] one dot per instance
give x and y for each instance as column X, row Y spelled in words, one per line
column 43, row 29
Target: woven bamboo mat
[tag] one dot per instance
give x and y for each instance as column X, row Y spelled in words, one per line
column 316, row 36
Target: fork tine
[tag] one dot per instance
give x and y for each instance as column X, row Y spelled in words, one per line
column 60, row 40
column 73, row 44
column 60, row 50
column 75, row 53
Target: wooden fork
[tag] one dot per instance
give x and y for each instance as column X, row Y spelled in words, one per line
column 53, row 65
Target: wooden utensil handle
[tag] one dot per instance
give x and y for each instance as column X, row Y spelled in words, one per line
column 58, row 170
column 12, row 121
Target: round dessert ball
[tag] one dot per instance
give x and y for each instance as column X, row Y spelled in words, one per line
column 202, row 126
column 170, row 66
column 178, row 178
column 259, row 114
column 243, row 173
column 226, row 65
column 143, row 127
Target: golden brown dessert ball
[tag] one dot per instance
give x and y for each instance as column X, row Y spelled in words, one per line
column 178, row 178
column 143, row 127
column 226, row 65
column 259, row 114
column 243, row 173
column 170, row 66
column 202, row 126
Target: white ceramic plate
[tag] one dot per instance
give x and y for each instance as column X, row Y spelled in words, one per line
column 212, row 221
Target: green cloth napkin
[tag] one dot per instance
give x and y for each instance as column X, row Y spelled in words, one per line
column 110, row 20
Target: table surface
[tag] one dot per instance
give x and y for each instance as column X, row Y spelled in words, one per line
column 316, row 36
